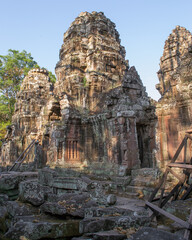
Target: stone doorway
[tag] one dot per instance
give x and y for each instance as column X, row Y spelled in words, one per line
column 144, row 140
column 140, row 143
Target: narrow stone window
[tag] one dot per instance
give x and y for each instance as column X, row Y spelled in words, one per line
column 59, row 150
column 69, row 149
column 72, row 149
column 76, row 148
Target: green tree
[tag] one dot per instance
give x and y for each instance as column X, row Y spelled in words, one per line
column 13, row 68
column 52, row 77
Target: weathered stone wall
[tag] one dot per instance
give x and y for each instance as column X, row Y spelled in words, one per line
column 92, row 61
column 29, row 116
column 98, row 114
column 116, row 119
column 175, row 106
column 176, row 46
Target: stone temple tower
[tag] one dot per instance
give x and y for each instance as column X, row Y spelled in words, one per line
column 29, row 114
column 108, row 115
column 99, row 114
column 174, row 109
column 92, row 61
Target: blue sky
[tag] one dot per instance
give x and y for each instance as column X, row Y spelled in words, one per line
column 37, row 26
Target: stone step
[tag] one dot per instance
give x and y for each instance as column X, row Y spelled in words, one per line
column 109, row 235
column 42, row 227
column 110, row 222
column 106, row 212
column 95, row 224
column 121, row 180
column 146, row 172
column 131, row 195
column 82, row 238
column 142, row 191
column 149, row 233
column 134, row 189
column 145, row 182
column 104, row 235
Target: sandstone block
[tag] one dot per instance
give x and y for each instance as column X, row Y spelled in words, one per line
column 147, row 233
column 3, row 217
column 111, row 199
column 43, row 229
column 30, row 191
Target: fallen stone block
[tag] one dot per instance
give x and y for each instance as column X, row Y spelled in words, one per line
column 66, row 183
column 12, row 179
column 107, row 211
column 3, row 199
column 17, row 209
column 105, row 219
column 148, row 233
column 3, row 217
column 70, row 204
column 35, row 229
column 53, row 208
column 46, row 176
column 91, row 225
column 30, row 191
column 82, row 238
column 109, row 235
column 111, row 199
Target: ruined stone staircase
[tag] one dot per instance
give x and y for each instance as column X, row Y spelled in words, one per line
column 112, row 222
column 57, row 192
column 119, row 221
column 143, row 182
column 139, row 184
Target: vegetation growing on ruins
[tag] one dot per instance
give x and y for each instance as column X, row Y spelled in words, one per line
column 84, row 81
column 13, row 68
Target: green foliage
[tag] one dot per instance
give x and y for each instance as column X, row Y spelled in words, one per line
column 13, row 68
column 84, row 81
column 3, row 126
column 52, row 77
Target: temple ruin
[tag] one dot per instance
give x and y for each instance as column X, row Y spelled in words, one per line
column 174, row 109
column 98, row 145
column 98, row 112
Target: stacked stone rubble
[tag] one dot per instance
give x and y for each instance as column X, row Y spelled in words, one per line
column 175, row 106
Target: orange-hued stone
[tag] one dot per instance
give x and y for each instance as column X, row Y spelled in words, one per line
column 98, row 112
column 174, row 109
